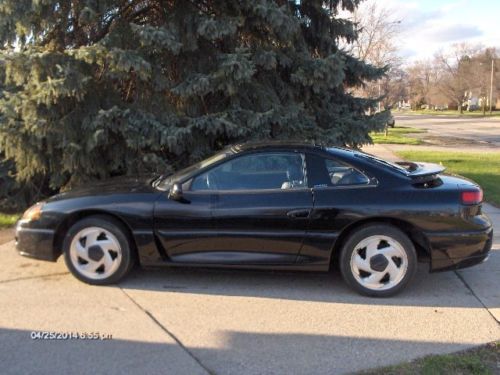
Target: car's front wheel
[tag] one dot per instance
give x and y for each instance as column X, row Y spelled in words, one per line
column 97, row 250
column 378, row 260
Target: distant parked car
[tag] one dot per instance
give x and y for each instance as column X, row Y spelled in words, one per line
column 286, row 206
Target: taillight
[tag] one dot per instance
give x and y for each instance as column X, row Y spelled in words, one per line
column 472, row 197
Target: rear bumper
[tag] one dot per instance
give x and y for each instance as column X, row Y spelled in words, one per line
column 36, row 243
column 456, row 250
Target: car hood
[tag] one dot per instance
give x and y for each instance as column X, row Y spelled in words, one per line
column 118, row 185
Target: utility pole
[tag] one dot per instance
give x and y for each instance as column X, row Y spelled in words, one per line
column 379, row 91
column 386, row 128
column 491, row 85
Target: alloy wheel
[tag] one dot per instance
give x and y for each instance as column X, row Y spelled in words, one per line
column 95, row 253
column 379, row 262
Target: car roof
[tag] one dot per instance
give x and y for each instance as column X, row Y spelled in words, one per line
column 349, row 155
column 247, row 146
column 269, row 145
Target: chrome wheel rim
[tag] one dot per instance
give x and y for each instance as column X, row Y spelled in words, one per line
column 95, row 253
column 379, row 262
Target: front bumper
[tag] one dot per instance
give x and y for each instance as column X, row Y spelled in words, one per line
column 456, row 250
column 35, row 242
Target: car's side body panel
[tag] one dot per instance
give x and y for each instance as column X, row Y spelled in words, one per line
column 129, row 200
column 255, row 229
column 261, row 227
column 184, row 227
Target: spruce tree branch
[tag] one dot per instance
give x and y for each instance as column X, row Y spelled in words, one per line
column 104, row 30
column 204, row 9
column 139, row 13
column 103, row 69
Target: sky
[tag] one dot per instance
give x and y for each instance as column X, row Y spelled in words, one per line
column 432, row 25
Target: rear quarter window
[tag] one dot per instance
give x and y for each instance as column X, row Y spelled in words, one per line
column 325, row 171
column 343, row 174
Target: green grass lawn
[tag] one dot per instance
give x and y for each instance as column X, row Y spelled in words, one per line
column 484, row 168
column 8, row 220
column 483, row 360
column 449, row 113
column 397, row 135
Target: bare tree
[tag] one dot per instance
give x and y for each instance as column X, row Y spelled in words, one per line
column 421, row 77
column 455, row 72
column 395, row 86
column 378, row 31
column 376, row 44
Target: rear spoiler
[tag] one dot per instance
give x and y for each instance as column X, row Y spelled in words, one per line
column 421, row 172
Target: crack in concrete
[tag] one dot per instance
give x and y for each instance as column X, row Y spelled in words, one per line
column 33, row 277
column 168, row 332
column 475, row 295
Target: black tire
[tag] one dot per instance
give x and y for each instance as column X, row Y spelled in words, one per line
column 365, row 232
column 118, row 230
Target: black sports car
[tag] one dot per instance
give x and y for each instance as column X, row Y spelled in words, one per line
column 291, row 206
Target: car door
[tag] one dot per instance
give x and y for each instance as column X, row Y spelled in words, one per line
column 185, row 227
column 342, row 194
column 261, row 208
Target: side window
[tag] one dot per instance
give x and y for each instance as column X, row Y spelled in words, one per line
column 330, row 172
column 264, row 170
column 342, row 174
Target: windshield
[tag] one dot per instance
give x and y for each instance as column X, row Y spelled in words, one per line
column 164, row 181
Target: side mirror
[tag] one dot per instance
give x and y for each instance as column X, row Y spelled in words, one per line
column 175, row 192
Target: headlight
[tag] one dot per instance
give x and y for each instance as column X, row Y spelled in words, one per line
column 33, row 213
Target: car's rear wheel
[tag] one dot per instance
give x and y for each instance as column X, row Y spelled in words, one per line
column 97, row 250
column 378, row 260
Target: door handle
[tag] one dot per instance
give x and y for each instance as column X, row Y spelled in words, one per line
column 298, row 214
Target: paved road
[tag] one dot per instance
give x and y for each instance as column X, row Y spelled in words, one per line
column 484, row 131
column 226, row 322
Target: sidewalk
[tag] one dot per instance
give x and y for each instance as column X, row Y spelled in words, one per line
column 382, row 151
column 484, row 284
column 224, row 322
column 6, row 235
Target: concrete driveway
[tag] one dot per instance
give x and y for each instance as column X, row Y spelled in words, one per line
column 473, row 131
column 226, row 322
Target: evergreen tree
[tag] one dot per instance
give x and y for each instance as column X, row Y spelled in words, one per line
column 96, row 88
